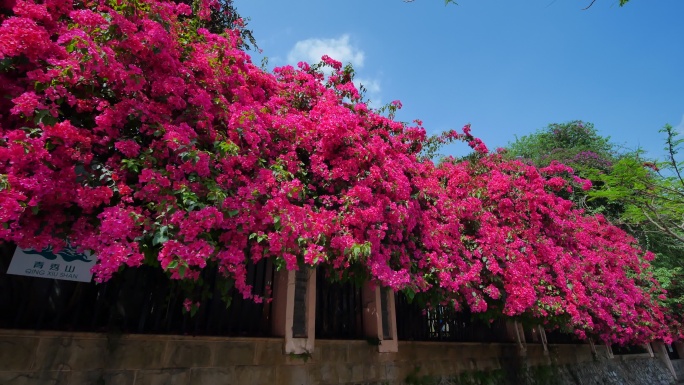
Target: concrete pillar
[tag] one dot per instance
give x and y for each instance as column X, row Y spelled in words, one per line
column 517, row 334
column 379, row 323
column 649, row 350
column 279, row 303
column 609, row 351
column 660, row 352
column 593, row 348
column 542, row 337
column 294, row 309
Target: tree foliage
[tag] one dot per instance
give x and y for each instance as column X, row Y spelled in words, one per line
column 653, row 190
column 652, row 194
column 576, row 144
column 223, row 17
column 131, row 130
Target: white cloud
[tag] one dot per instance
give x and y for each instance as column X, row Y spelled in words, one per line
column 373, row 89
column 340, row 49
column 372, row 86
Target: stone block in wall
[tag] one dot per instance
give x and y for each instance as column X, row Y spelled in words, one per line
column 562, row 354
column 455, row 352
column 373, row 372
column 358, row 373
column 537, row 355
column 417, row 352
column 364, row 353
column 213, row 376
column 136, row 353
column 486, row 365
column 235, row 353
column 88, row 353
column 70, row 353
column 268, row 352
column 333, row 351
column 35, row 378
column 163, row 377
column 292, row 374
column 17, row 352
column 252, row 374
column 333, row 372
column 395, row 372
column 437, row 368
column 119, row 377
column 188, row 354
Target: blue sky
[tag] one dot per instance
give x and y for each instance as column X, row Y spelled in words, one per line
column 508, row 67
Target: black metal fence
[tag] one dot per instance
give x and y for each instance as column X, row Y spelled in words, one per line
column 444, row 324
column 532, row 334
column 556, row 336
column 136, row 300
column 629, row 349
column 672, row 352
column 339, row 309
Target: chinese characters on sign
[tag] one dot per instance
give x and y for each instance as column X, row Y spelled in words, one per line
column 67, row 264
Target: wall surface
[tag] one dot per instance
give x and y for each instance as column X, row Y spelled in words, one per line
column 678, row 366
column 633, row 371
column 42, row 358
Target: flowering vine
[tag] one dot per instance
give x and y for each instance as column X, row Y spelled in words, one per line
column 132, row 131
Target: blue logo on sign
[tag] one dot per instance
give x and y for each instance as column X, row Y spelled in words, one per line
column 68, row 254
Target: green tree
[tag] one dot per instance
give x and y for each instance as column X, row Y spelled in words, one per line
column 225, row 16
column 570, row 143
column 576, row 144
column 652, row 193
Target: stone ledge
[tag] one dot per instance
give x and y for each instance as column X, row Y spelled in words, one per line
column 60, row 358
column 145, row 337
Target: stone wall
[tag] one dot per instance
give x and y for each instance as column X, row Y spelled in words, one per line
column 678, row 366
column 639, row 370
column 41, row 358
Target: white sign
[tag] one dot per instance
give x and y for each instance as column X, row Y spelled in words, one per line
column 67, row 265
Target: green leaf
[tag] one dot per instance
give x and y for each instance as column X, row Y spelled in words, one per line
column 410, row 294
column 161, row 236
column 227, row 148
column 44, row 116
